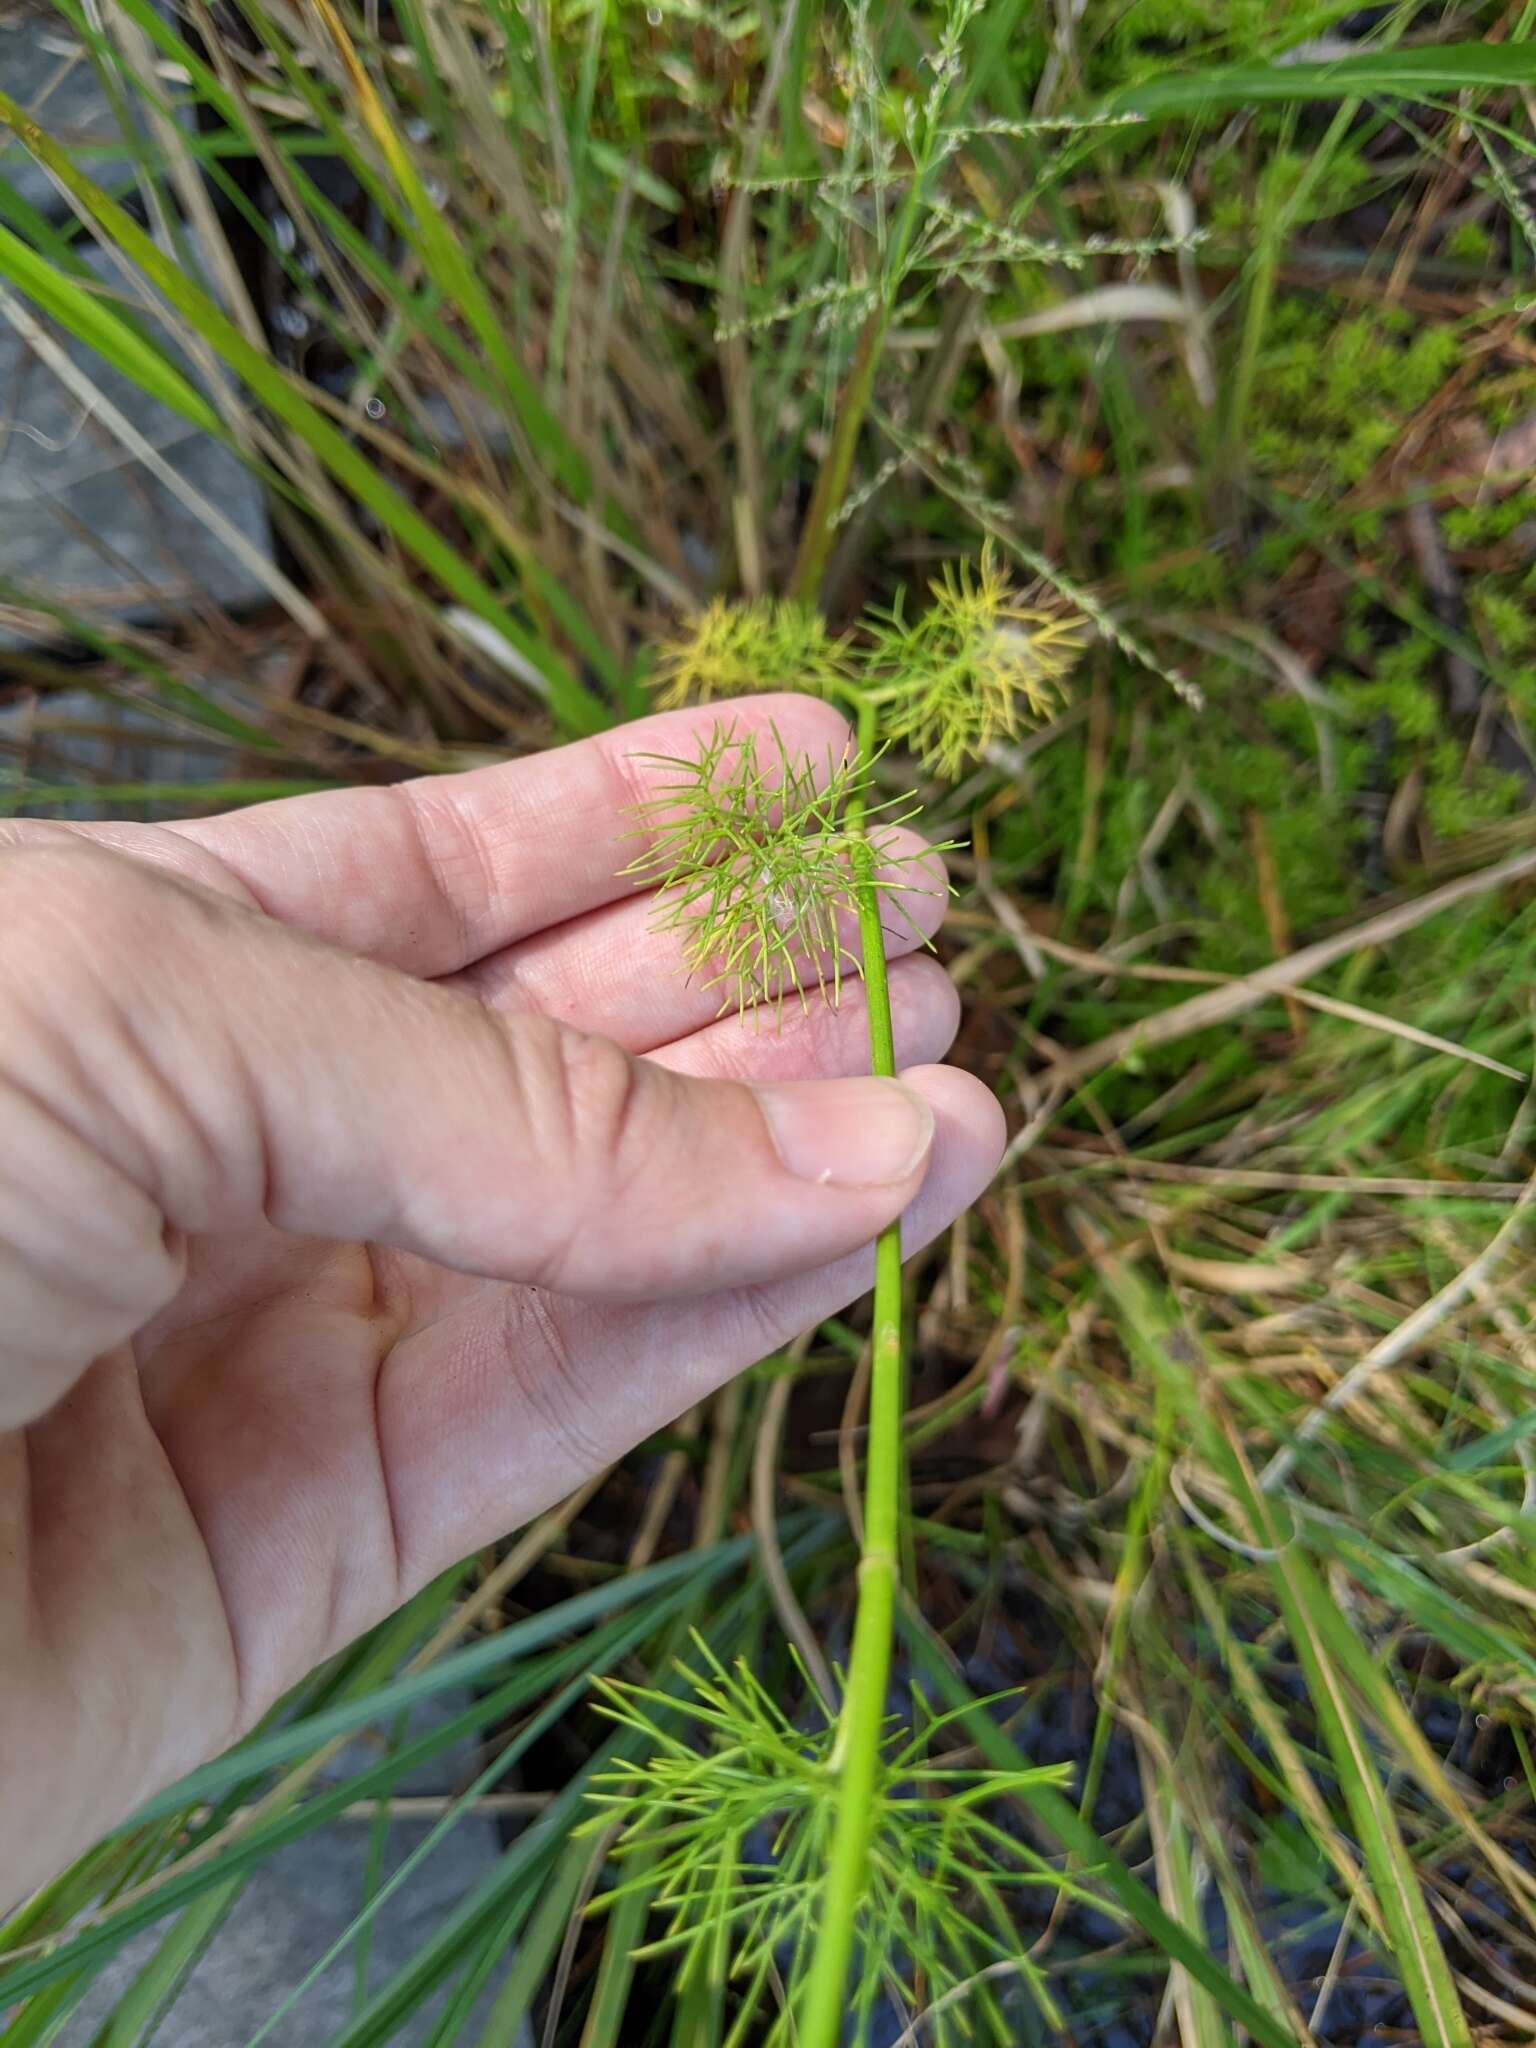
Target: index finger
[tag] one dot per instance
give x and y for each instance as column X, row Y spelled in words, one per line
column 432, row 875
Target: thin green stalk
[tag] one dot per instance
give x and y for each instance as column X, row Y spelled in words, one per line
column 855, row 1756
column 853, row 405
column 832, row 477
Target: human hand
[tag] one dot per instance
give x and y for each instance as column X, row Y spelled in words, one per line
column 370, row 1177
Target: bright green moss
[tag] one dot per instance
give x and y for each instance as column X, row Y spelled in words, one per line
column 1242, row 192
column 1335, row 388
column 1487, row 521
column 1469, row 242
column 1475, row 796
column 1509, row 623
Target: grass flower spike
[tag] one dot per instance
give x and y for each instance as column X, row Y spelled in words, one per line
column 731, row 649
column 979, row 665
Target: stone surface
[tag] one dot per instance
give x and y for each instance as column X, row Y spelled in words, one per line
column 298, row 1903
column 285, row 1920
column 46, row 71
column 81, row 518
column 75, row 736
column 84, row 522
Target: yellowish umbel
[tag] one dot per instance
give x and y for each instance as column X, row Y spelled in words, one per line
column 751, row 855
column 731, row 649
column 983, row 662
column 980, row 664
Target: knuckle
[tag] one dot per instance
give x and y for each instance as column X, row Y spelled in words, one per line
column 450, row 856
column 102, row 979
column 600, row 1097
column 583, row 1103
column 58, row 899
column 69, row 903
column 40, row 878
column 763, row 1324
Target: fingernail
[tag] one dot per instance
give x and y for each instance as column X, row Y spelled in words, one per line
column 848, row 1134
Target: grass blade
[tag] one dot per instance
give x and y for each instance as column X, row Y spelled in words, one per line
column 1419, row 74
column 1060, row 1817
column 571, row 701
column 1414, row 1946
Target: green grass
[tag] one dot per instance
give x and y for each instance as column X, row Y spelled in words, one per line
column 732, row 302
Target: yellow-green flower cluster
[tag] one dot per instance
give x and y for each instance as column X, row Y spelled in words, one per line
column 730, row 649
column 750, row 856
column 979, row 665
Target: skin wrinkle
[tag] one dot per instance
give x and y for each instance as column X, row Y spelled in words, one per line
column 307, row 850
column 220, row 1124
column 419, row 806
column 602, row 1089
column 592, row 1103
column 16, row 1545
column 203, row 1155
column 239, row 1720
column 77, row 1102
column 581, row 1447
column 35, row 1368
column 265, row 1164
column 93, row 1280
column 513, row 1068
column 246, row 1708
column 313, row 1404
column 343, row 1605
column 38, row 1644
column 390, row 1322
column 136, row 1437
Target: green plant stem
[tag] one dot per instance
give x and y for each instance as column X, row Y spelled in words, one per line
column 832, row 477
column 855, row 1759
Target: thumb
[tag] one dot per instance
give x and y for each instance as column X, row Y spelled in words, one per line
column 175, row 1063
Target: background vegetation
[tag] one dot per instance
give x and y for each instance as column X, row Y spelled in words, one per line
column 543, row 325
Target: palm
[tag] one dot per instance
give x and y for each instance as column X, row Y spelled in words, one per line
column 311, row 1430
